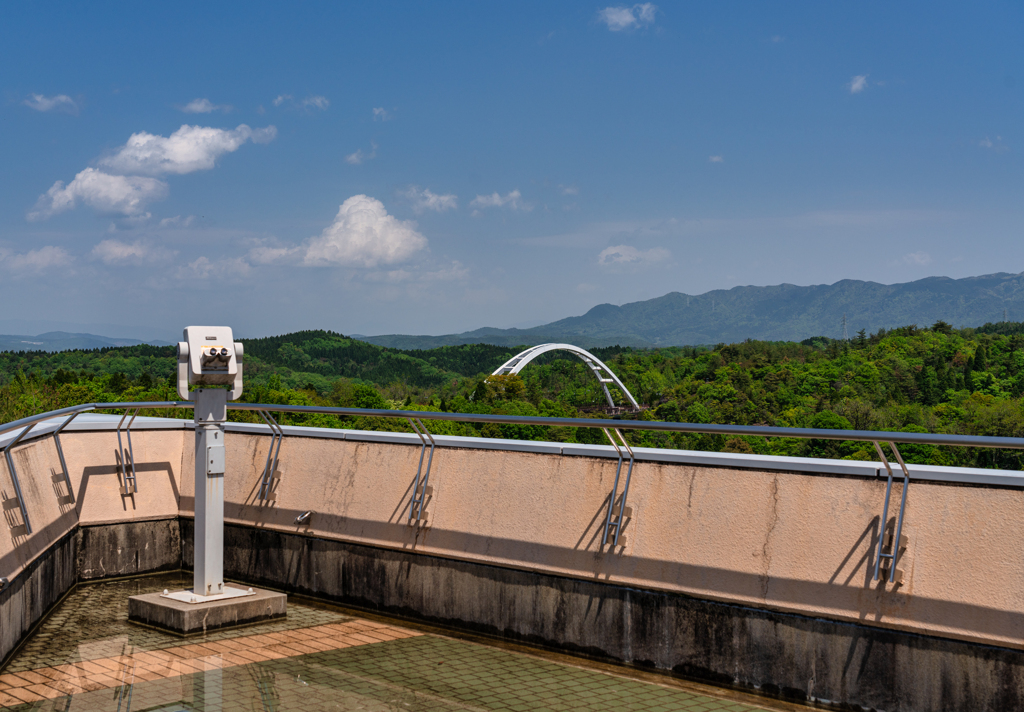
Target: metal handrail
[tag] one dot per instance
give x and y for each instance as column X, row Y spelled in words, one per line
column 26, row 425
column 982, row 441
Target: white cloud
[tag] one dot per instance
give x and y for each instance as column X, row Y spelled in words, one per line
column 358, row 158
column 34, row 260
column 317, row 102
column 178, row 221
column 117, row 252
column 423, row 200
column 364, row 235
column 858, row 84
column 313, row 101
column 513, row 200
column 455, row 271
column 381, row 113
column 570, row 190
column 629, row 255
column 991, row 145
column 204, row 106
column 266, row 255
column 204, row 268
column 777, row 39
column 919, row 259
column 124, row 195
column 627, row 18
column 716, row 159
column 60, row 102
column 190, row 148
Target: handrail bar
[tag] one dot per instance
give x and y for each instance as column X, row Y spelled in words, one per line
column 86, row 407
column 992, row 441
column 983, row 441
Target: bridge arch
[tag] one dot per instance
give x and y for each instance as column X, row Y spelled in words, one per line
column 603, row 373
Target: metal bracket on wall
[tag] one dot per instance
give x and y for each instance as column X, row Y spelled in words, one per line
column 618, row 513
column 897, row 541
column 60, row 454
column 421, row 491
column 130, row 485
column 276, row 437
column 14, row 477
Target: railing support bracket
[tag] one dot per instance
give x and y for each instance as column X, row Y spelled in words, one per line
column 618, row 513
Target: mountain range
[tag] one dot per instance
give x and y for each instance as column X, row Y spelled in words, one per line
column 65, row 341
column 784, row 312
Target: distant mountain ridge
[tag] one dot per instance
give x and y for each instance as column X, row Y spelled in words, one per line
column 784, row 312
column 66, row 341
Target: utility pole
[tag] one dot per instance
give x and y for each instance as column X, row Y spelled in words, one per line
column 846, row 334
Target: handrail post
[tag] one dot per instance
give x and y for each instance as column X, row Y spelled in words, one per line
column 420, row 492
column 615, row 489
column 60, row 454
column 14, row 476
column 879, row 553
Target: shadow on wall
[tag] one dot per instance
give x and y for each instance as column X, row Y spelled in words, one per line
column 91, row 471
column 292, row 566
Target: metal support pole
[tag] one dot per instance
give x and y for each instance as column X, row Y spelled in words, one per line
column 210, row 414
column 14, row 476
column 420, row 492
column 620, row 516
column 625, row 489
column 879, row 555
column 903, row 506
column 60, row 454
column 276, row 437
column 615, row 488
column 125, row 477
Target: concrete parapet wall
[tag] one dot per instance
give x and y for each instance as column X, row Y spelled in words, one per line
column 742, row 569
column 785, row 655
column 785, row 541
column 101, row 533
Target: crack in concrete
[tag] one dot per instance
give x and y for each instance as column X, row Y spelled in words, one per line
column 765, row 551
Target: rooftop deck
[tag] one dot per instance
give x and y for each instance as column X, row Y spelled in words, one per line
column 86, row 656
column 750, row 572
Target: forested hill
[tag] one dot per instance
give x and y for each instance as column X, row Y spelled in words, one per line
column 784, row 312
column 303, row 358
column 935, row 379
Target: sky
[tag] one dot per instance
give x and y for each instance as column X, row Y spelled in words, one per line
column 430, row 168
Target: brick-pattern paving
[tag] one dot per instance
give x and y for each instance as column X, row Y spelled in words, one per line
column 93, row 623
column 87, row 658
column 141, row 665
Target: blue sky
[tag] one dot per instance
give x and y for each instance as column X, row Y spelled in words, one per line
column 432, row 168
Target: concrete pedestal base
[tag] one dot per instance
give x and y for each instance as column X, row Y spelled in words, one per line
column 191, row 618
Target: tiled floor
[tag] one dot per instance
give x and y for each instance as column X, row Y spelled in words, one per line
column 88, row 657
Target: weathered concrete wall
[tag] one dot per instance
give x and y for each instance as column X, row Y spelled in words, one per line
column 128, row 548
column 50, row 512
column 141, row 532
column 28, row 597
column 93, row 459
column 788, row 542
column 750, row 575
column 791, row 656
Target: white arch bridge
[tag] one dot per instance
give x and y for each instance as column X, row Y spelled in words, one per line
column 603, row 373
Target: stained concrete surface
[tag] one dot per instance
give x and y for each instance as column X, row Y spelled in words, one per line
column 758, row 578
column 191, row 618
column 87, row 657
column 788, row 656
